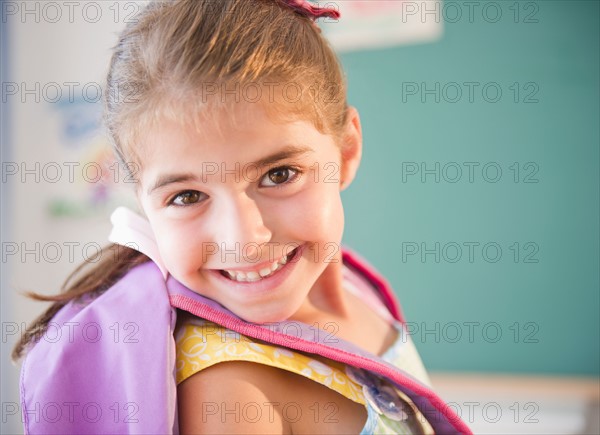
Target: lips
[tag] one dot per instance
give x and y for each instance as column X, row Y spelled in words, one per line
column 266, row 271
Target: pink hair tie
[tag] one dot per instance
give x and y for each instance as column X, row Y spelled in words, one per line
column 308, row 10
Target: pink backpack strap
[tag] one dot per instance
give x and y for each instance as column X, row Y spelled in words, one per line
column 384, row 289
column 362, row 288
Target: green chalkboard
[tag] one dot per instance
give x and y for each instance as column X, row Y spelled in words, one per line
column 478, row 194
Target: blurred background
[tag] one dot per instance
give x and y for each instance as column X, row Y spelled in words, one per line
column 478, row 196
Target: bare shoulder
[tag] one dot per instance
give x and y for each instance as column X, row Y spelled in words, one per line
column 246, row 397
column 232, row 397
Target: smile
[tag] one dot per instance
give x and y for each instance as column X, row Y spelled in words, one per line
column 259, row 274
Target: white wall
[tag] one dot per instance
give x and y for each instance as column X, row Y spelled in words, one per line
column 50, row 48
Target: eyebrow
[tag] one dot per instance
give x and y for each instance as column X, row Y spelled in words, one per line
column 288, row 152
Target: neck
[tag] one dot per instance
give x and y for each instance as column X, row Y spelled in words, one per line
column 327, row 298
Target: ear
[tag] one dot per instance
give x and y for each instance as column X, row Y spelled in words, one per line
column 351, row 147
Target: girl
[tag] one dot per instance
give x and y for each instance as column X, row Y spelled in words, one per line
column 233, row 119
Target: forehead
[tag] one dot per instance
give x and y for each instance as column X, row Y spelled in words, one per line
column 244, row 136
column 211, row 117
column 224, row 127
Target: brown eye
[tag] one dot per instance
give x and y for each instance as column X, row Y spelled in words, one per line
column 188, row 197
column 278, row 176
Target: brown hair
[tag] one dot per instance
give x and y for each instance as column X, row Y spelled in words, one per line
column 185, row 60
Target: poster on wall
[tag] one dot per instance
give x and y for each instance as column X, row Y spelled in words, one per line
column 60, row 152
column 97, row 181
column 373, row 24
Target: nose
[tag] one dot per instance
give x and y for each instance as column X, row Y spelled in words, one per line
column 240, row 228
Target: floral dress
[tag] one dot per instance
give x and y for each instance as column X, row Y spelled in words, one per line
column 201, row 344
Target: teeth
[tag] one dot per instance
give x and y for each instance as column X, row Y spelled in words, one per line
column 253, row 276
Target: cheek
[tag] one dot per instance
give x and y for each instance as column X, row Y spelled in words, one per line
column 180, row 249
column 317, row 215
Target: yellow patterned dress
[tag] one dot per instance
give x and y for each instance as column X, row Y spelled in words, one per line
column 201, row 344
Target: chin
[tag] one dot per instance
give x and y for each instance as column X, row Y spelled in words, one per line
column 263, row 318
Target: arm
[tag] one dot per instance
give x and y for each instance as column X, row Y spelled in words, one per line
column 233, row 397
column 245, row 397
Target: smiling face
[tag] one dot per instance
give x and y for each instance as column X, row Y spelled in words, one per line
column 249, row 214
